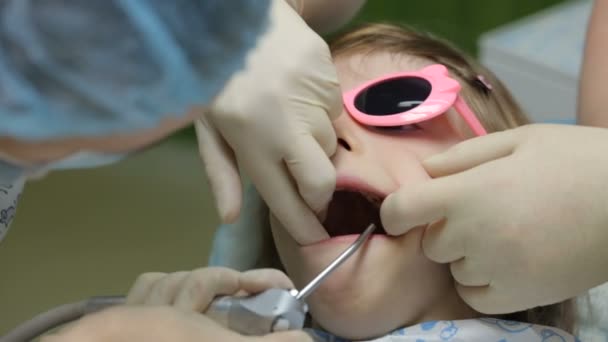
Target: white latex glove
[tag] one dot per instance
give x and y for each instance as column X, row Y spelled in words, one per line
column 273, row 121
column 521, row 215
column 173, row 306
column 157, row 324
column 194, row 290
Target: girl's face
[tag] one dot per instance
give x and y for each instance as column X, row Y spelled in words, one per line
column 389, row 282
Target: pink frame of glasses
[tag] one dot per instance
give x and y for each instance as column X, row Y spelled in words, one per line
column 444, row 94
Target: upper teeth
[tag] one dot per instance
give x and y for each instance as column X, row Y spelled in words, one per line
column 373, row 199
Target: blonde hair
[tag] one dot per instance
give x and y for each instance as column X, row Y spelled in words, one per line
column 495, row 107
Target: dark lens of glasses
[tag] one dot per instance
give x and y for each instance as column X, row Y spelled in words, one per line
column 393, row 96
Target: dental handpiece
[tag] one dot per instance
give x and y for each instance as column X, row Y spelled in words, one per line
column 275, row 309
column 269, row 311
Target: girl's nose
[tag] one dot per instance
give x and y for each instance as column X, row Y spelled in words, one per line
column 347, row 133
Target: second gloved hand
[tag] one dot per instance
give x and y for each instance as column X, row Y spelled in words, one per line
column 194, row 290
column 273, row 121
column 169, row 307
column 520, row 215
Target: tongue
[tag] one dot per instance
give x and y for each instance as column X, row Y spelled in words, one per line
column 350, row 213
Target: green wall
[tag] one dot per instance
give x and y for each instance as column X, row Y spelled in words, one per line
column 461, row 21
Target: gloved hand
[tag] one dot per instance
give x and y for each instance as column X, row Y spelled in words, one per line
column 521, row 215
column 273, row 121
column 173, row 306
column 194, row 291
column 157, row 324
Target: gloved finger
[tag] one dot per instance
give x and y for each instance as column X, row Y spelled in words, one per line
column 255, row 281
column 483, row 299
column 201, row 286
column 473, row 152
column 331, row 94
column 443, row 242
column 142, row 286
column 322, row 88
column 221, row 169
column 165, row 290
column 276, row 188
column 312, row 171
column 468, row 273
column 284, row 336
column 322, row 130
column 414, row 206
column 335, row 101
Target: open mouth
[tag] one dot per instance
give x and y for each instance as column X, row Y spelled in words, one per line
column 351, row 211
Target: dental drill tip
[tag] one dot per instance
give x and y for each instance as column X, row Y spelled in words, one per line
column 307, row 290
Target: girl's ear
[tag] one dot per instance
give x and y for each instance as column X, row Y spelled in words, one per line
column 243, row 244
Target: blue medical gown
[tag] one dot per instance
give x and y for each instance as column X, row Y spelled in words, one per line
column 96, row 67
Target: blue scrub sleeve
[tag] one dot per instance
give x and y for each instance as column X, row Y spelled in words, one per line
column 91, row 68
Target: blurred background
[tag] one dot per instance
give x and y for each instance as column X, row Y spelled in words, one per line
column 85, row 233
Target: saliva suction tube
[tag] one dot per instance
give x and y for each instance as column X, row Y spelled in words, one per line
column 263, row 313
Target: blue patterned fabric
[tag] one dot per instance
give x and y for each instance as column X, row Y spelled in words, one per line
column 470, row 330
column 9, row 196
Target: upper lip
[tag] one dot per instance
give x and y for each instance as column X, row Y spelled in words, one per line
column 346, row 182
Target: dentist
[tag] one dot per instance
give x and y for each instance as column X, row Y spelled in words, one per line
column 87, row 83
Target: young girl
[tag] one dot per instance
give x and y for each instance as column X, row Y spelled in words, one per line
column 388, row 290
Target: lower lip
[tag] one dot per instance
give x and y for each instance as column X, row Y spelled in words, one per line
column 348, row 239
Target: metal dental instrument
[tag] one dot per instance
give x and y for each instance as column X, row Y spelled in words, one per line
column 269, row 311
column 307, row 290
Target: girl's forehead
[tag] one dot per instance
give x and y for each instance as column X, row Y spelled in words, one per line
column 358, row 68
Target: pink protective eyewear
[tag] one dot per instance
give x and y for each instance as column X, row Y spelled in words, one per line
column 407, row 98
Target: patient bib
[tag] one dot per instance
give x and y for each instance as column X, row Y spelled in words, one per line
column 470, row 330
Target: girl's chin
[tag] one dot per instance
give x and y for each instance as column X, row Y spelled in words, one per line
column 361, row 320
